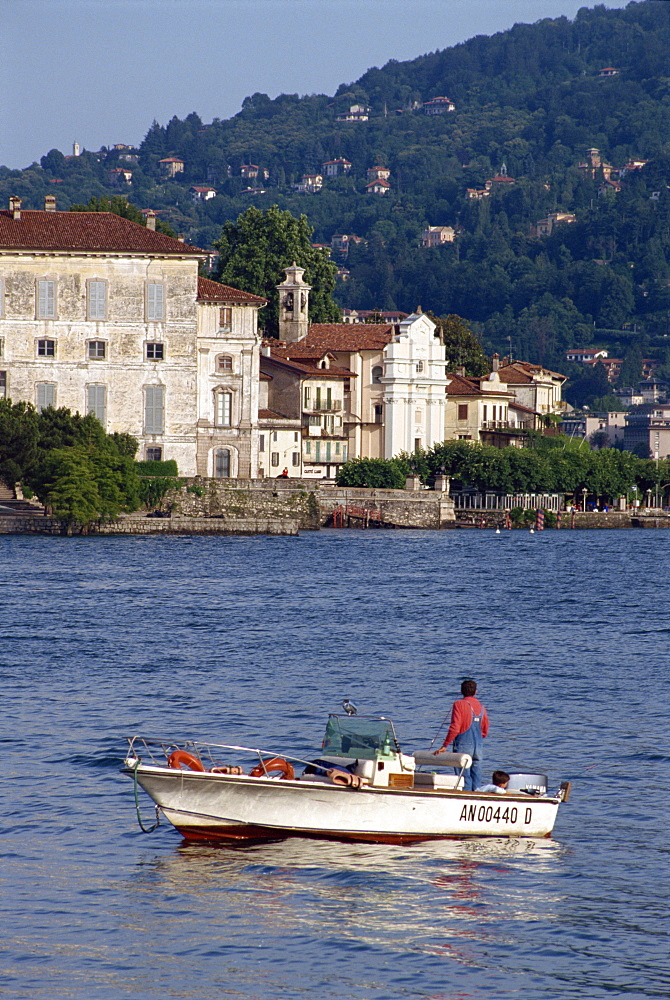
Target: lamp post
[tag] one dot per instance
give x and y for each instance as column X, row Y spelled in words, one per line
column 648, row 499
column 585, row 493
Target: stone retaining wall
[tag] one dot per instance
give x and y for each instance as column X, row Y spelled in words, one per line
column 255, row 499
column 142, row 525
column 352, row 507
column 577, row 520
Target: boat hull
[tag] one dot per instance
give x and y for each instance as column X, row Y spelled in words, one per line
column 213, row 807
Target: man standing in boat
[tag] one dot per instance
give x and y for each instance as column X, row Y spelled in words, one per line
column 467, row 730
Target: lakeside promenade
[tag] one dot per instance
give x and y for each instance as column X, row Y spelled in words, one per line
column 290, row 506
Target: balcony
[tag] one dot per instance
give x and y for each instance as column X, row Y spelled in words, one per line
column 322, row 406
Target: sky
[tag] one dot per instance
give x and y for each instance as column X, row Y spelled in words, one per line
column 99, row 72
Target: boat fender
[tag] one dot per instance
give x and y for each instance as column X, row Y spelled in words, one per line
column 345, row 779
column 286, row 770
column 181, row 758
column 564, row 790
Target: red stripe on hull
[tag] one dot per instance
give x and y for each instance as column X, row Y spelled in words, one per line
column 244, row 833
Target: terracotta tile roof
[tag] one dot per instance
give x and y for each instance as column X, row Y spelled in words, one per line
column 349, row 336
column 459, row 385
column 298, row 351
column 214, row 291
column 521, row 372
column 272, row 415
column 86, row 232
column 306, row 369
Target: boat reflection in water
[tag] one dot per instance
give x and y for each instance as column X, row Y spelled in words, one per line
column 442, row 898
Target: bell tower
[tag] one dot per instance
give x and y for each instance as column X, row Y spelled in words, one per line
column 293, row 305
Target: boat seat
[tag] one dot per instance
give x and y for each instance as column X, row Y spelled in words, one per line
column 427, row 758
column 426, row 779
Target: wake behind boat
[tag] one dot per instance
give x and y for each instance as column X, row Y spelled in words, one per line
column 361, row 787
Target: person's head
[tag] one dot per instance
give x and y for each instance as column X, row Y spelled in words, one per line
column 468, row 688
column 500, row 778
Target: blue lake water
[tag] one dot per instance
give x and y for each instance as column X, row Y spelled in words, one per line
column 255, row 640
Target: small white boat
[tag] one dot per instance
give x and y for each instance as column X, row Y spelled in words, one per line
column 361, row 787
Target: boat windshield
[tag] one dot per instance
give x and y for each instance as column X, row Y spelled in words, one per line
column 357, row 736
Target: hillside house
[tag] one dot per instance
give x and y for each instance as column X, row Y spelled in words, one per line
column 545, row 227
column 437, row 236
column 438, row 106
column 594, row 163
column 202, row 193
column 119, row 176
column 171, row 166
column 584, row 354
column 355, row 113
column 377, row 173
column 377, row 187
column 309, row 184
column 336, row 168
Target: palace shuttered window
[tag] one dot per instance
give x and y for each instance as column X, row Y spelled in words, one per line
column 154, row 409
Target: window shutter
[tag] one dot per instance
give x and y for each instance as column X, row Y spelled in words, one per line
column 154, row 301
column 154, row 409
column 46, row 395
column 46, row 301
column 97, row 304
column 97, row 402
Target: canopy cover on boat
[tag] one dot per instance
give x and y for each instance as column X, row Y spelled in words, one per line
column 358, row 736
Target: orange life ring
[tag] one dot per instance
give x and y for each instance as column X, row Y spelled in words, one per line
column 286, row 770
column 181, row 757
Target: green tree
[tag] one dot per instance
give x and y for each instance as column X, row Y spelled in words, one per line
column 256, row 248
column 631, row 368
column 374, row 473
column 118, row 204
column 70, row 488
column 19, row 440
column 461, row 345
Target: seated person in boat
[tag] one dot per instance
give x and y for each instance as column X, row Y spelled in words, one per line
column 499, row 783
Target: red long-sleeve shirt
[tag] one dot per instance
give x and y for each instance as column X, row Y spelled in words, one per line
column 461, row 718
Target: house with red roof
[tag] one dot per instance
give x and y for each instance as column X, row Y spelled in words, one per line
column 202, row 192
column 377, row 187
column 485, row 410
column 337, row 167
column 301, row 411
column 171, row 165
column 105, row 316
column 535, row 387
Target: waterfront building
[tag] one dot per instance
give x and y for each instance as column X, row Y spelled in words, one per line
column 102, row 315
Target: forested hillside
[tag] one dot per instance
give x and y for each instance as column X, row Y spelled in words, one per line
column 528, row 105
